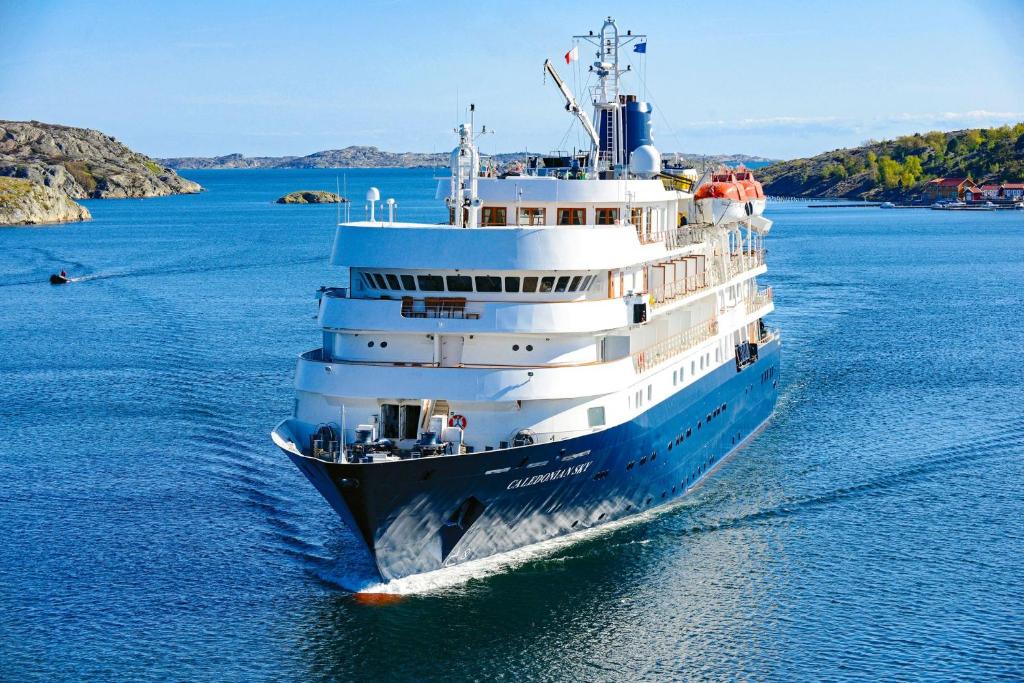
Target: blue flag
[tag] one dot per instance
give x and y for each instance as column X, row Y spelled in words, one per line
column 641, row 48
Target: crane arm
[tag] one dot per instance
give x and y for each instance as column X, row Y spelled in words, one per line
column 572, row 105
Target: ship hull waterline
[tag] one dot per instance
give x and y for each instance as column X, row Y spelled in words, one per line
column 424, row 514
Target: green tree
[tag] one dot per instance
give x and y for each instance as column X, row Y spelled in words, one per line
column 973, row 139
column 889, row 172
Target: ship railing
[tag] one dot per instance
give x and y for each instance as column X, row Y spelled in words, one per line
column 437, row 307
column 760, row 299
column 666, row 349
column 740, row 262
column 660, row 296
column 673, row 238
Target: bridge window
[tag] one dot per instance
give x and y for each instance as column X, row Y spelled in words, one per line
column 493, row 215
column 607, row 216
column 381, row 282
column 511, row 284
column 393, row 281
column 460, row 283
column 575, row 284
column 488, row 283
column 546, row 284
column 571, row 216
column 409, row 282
column 563, row 284
column 531, row 216
column 430, row 283
column 530, row 284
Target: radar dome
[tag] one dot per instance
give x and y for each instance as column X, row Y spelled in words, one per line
column 645, row 161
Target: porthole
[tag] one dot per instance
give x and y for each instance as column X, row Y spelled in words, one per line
column 529, row 347
column 643, row 460
column 689, row 431
column 370, row 344
column 654, row 456
column 383, row 345
column 602, row 516
column 515, row 347
column 629, row 465
column 575, row 523
column 698, row 425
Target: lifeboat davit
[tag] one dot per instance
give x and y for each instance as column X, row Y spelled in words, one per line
column 730, row 197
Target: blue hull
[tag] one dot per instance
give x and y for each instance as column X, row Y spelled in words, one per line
column 420, row 515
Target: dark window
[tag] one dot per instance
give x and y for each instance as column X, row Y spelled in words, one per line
column 529, row 347
column 370, row 344
column 546, row 284
column 629, row 465
column 601, row 475
column 408, row 282
column 383, row 345
column 563, row 283
column 493, row 215
column 460, row 283
column 389, row 421
column 529, row 284
column 643, row 460
column 511, row 284
column 410, row 421
column 393, row 281
column 430, row 283
column 571, row 216
column 515, row 347
column 698, row 425
column 368, row 281
column 607, row 216
column 381, row 282
column 689, row 431
column 488, row 283
column 575, row 284
column 589, row 280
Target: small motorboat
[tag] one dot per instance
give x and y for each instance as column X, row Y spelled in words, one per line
column 60, row 278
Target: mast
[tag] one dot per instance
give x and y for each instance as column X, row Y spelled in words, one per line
column 607, row 102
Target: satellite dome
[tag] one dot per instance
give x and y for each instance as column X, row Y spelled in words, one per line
column 645, row 161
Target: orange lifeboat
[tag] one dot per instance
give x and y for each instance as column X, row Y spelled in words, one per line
column 731, row 196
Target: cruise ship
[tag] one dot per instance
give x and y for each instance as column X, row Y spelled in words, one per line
column 582, row 341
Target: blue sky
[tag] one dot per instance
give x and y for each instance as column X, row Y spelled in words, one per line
column 777, row 79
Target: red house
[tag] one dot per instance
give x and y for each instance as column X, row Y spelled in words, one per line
column 948, row 188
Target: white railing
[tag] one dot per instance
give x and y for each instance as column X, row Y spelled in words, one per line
column 673, row 346
column 659, row 296
column 674, row 238
column 743, row 261
column 760, row 299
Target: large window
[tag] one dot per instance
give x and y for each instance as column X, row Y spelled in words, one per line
column 547, row 284
column 493, row 215
column 460, row 283
column 511, row 284
column 563, row 284
column 408, row 282
column 381, row 282
column 607, row 216
column 531, row 216
column 430, row 283
column 571, row 216
column 529, row 284
column 488, row 283
column 393, row 281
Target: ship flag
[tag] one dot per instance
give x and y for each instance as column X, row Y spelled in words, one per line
column 572, row 55
column 641, row 48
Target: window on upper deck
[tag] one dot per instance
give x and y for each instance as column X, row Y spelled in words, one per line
column 563, row 284
column 430, row 283
column 636, row 216
column 493, row 215
column 381, row 282
column 531, row 216
column 409, row 282
column 488, row 283
column 393, row 281
column 547, row 284
column 368, row 281
column 530, row 284
column 571, row 216
column 460, row 283
column 607, row 216
column 575, row 284
column 512, row 284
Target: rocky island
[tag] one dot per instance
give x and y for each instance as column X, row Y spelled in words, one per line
column 311, row 197
column 45, row 167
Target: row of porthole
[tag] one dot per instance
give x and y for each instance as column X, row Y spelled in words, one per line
column 643, row 461
column 529, row 347
column 767, row 374
column 689, row 430
column 383, row 344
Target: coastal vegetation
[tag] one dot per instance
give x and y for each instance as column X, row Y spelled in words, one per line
column 898, row 169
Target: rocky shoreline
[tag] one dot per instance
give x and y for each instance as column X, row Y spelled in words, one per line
column 58, row 164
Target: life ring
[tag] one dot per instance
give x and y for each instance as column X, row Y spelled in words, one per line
column 457, row 421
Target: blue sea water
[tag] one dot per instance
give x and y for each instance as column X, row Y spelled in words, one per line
column 150, row 530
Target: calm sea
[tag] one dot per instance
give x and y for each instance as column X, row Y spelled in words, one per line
column 874, row 530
